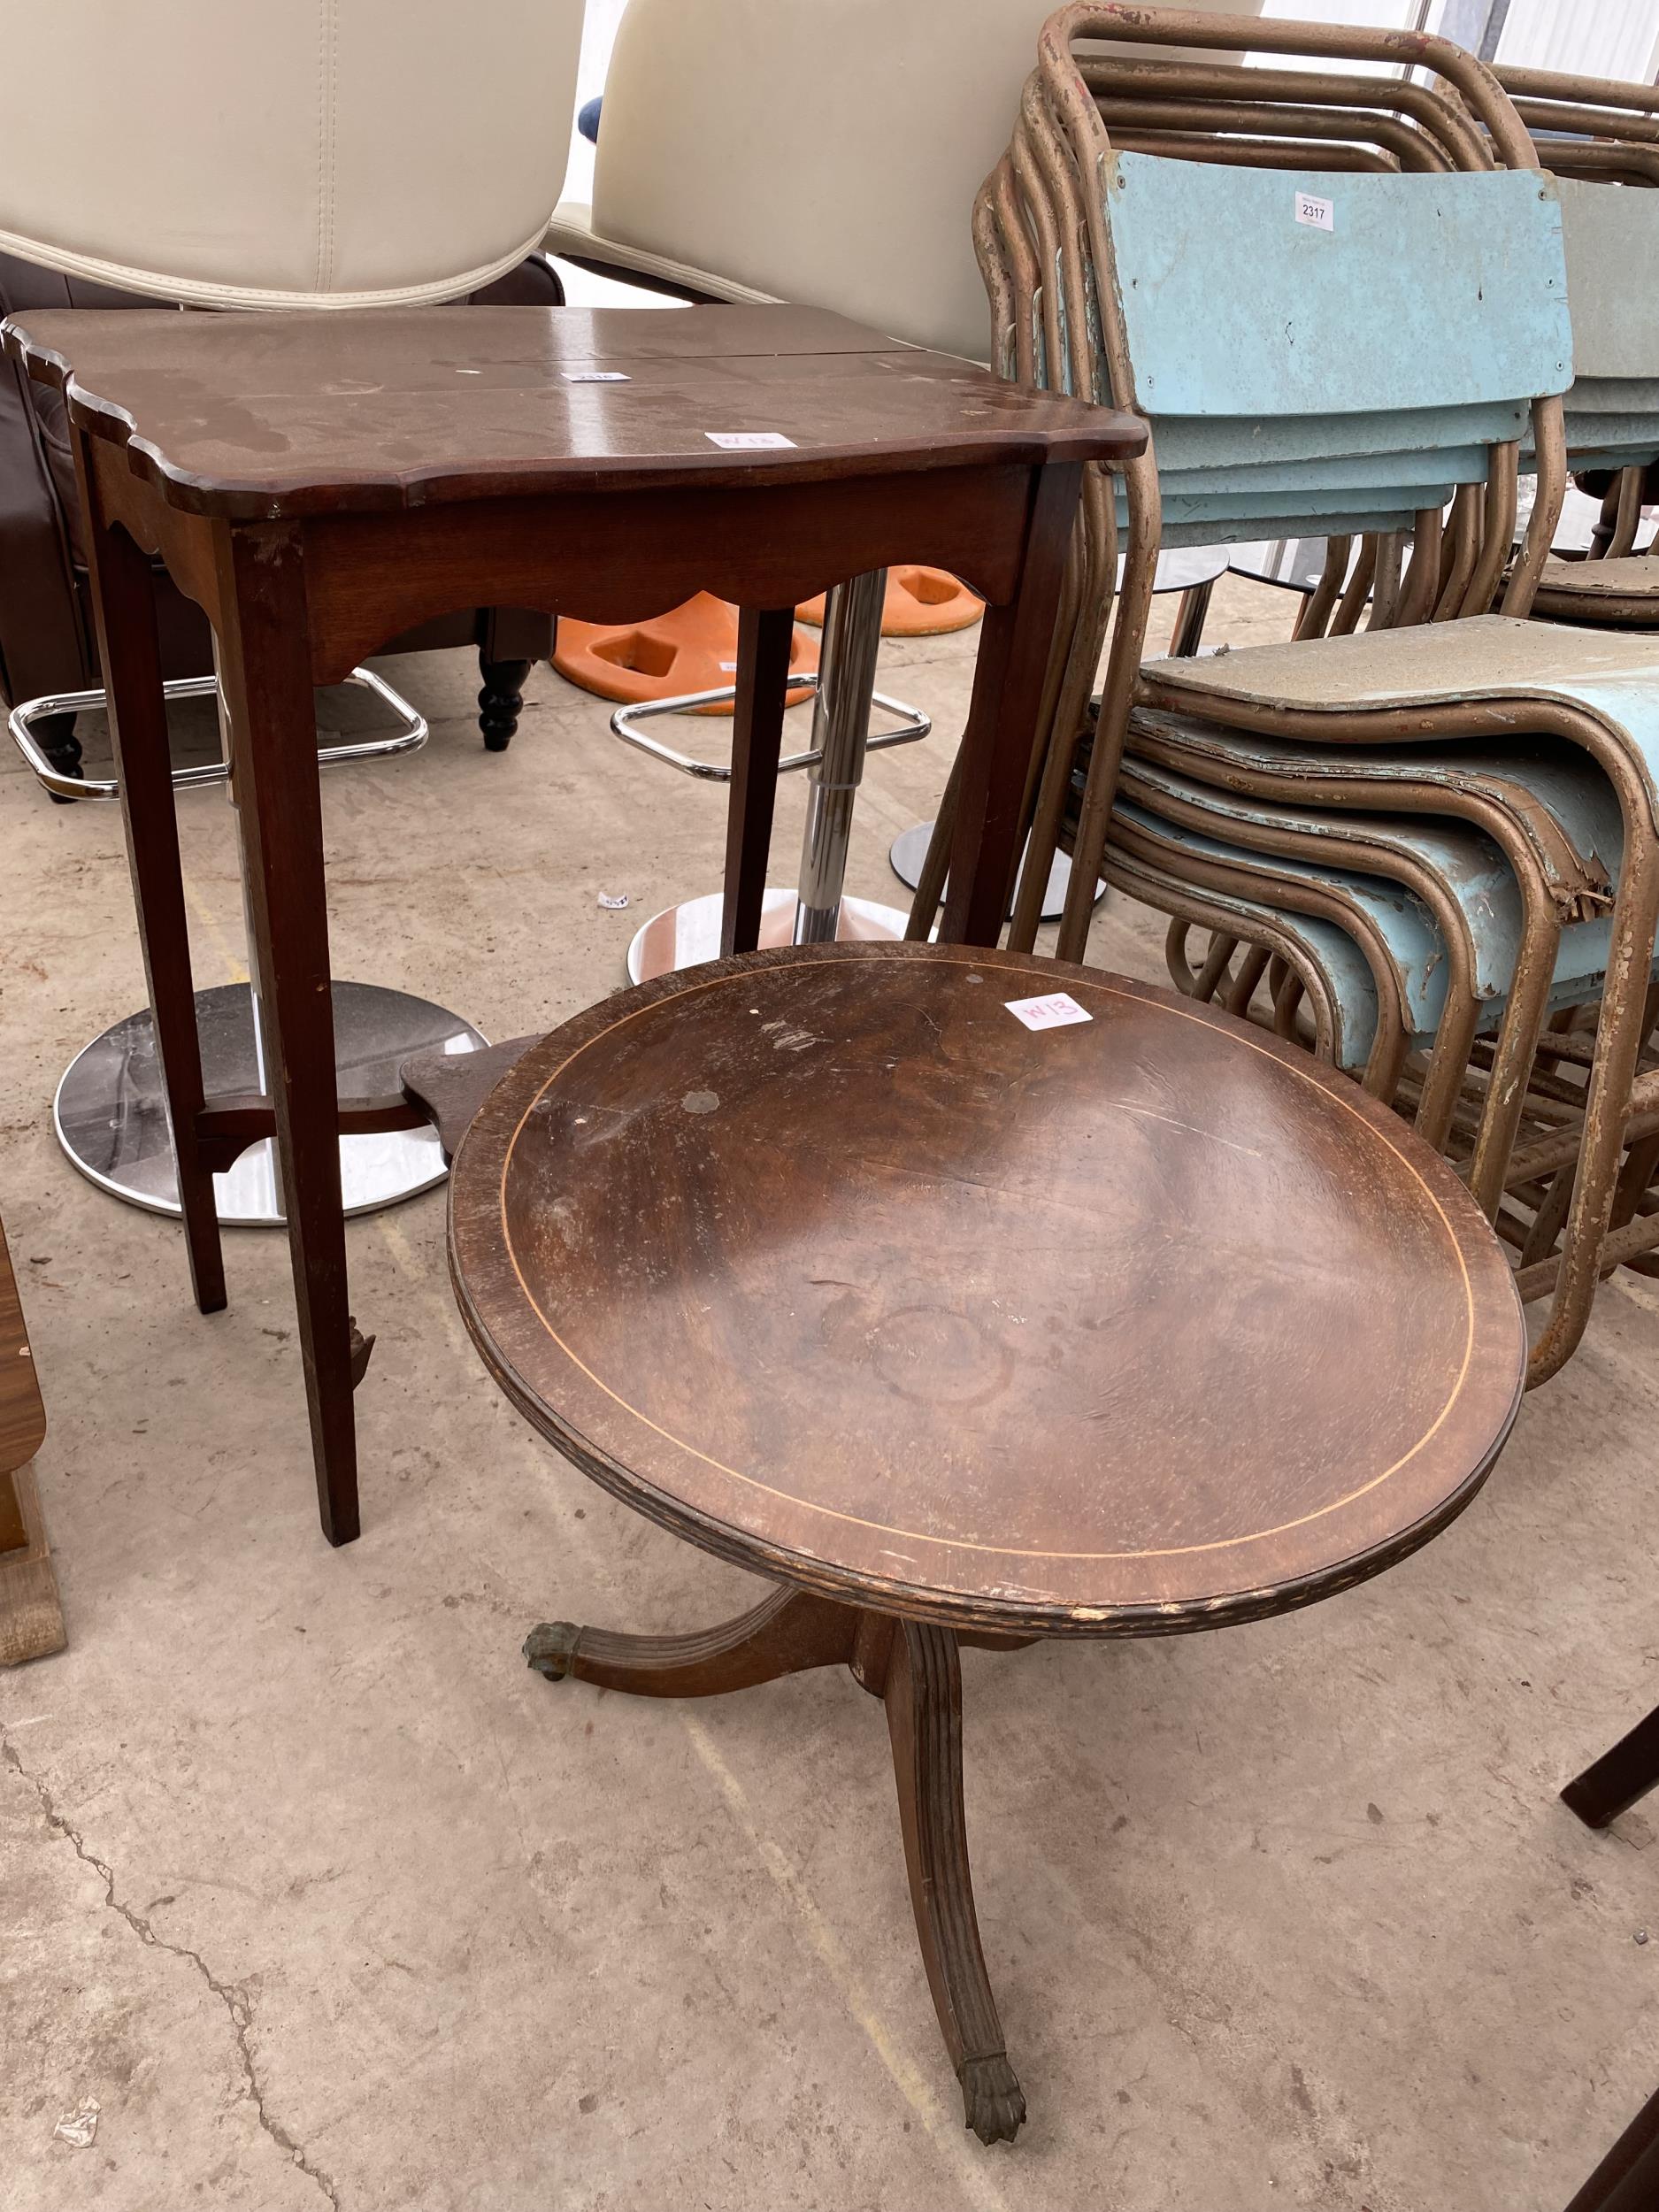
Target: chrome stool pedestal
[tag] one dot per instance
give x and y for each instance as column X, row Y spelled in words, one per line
column 844, row 692
column 110, row 1111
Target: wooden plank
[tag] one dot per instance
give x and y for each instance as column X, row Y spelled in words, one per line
column 31, row 1612
column 31, row 1615
column 22, row 1414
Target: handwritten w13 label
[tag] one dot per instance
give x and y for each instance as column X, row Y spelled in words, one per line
column 1057, row 1011
column 1317, row 214
column 596, row 376
column 747, row 441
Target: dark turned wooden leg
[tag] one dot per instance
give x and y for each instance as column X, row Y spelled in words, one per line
column 763, row 638
column 923, row 1692
column 265, row 668
column 501, row 701
column 1614, row 1782
column 124, row 594
column 996, row 750
column 55, row 735
column 788, row 1632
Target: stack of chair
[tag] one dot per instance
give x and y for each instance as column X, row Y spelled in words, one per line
column 1430, row 848
column 1601, row 141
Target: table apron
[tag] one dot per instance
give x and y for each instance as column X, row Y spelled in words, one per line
column 622, row 557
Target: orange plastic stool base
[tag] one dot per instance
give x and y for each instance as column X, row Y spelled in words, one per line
column 920, row 602
column 691, row 648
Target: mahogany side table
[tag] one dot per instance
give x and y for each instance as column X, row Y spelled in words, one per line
column 1128, row 1322
column 318, row 482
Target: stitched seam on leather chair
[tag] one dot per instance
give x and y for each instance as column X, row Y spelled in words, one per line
column 173, row 291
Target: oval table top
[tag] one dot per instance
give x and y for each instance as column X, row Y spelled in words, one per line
column 825, row 1259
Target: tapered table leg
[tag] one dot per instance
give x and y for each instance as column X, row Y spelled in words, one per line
column 123, row 598
column 995, row 749
column 764, row 639
column 924, row 1702
column 264, row 670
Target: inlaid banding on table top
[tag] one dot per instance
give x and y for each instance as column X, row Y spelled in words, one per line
column 630, row 1407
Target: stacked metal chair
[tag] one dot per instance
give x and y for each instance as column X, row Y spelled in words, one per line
column 1430, row 848
column 1600, row 140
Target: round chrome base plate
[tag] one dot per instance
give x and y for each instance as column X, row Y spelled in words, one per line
column 685, row 936
column 908, row 851
column 112, row 1119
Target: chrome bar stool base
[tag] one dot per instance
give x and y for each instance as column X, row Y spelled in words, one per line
column 111, row 1113
column 685, row 935
column 30, row 718
column 908, row 851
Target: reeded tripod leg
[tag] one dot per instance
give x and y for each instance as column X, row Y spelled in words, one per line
column 786, row 1634
column 923, row 1700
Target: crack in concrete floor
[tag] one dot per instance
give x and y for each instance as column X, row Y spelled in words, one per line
column 233, row 1999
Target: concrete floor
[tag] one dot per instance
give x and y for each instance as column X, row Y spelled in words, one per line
column 324, row 1898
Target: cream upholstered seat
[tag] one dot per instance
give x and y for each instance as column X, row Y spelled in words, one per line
column 228, row 154
column 823, row 151
column 826, row 152
column 342, row 153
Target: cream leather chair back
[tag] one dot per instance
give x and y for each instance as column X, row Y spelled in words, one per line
column 285, row 153
column 825, row 151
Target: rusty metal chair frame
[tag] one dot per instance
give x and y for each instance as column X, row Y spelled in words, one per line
column 1061, row 139
column 1600, row 131
column 1559, row 883
column 1033, row 214
column 1614, row 1102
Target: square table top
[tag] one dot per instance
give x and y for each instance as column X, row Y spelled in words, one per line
column 269, row 416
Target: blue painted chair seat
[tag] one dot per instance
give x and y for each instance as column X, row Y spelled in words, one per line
column 1612, row 676
column 1568, row 810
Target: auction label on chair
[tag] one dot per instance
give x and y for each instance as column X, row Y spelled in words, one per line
column 1057, row 1010
column 747, row 441
column 1318, row 214
column 596, row 376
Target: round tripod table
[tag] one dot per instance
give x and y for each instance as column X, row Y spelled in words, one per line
column 963, row 1330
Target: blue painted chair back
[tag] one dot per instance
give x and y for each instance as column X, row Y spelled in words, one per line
column 1424, row 291
column 1611, row 235
column 1195, row 441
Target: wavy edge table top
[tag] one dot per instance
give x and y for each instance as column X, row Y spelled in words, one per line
column 477, row 1243
column 262, row 417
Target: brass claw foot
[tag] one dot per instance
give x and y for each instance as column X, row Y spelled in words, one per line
column 550, row 1649
column 993, row 2102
